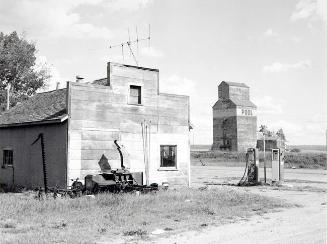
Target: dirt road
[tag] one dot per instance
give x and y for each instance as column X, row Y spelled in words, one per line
column 306, row 224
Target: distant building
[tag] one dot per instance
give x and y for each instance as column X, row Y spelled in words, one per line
column 234, row 118
column 271, row 142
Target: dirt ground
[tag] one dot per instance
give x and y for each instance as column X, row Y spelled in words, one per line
column 306, row 223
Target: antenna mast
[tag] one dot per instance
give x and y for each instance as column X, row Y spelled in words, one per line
column 129, row 44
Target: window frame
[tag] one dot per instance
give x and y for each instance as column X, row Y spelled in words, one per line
column 168, row 168
column 11, row 157
column 140, row 97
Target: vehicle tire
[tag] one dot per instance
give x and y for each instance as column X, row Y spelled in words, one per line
column 96, row 188
column 78, row 186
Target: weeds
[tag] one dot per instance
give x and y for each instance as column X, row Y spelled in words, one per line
column 137, row 232
column 83, row 220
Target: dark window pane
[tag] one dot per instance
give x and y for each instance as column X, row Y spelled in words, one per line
column 168, row 156
column 7, row 157
column 135, row 94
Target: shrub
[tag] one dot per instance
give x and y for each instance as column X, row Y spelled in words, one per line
column 295, row 150
column 292, row 159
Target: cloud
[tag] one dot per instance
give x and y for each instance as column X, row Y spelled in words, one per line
column 296, row 39
column 304, row 9
column 270, row 33
column 152, row 52
column 322, row 10
column 310, row 10
column 55, row 76
column 268, row 105
column 55, row 19
column 128, row 5
column 177, row 85
column 295, row 132
column 49, row 19
column 279, row 67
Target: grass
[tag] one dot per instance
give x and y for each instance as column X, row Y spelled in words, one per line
column 24, row 219
column 237, row 159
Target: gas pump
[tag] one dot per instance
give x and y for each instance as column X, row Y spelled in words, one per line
column 253, row 165
column 277, row 165
column 251, row 169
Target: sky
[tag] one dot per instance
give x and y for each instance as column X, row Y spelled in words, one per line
column 277, row 47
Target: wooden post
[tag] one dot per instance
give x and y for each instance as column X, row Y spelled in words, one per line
column 8, row 96
column 264, row 156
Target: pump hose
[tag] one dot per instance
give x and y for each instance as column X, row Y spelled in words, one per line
column 242, row 181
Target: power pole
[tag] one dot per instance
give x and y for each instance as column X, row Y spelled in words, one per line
column 264, row 156
column 8, row 95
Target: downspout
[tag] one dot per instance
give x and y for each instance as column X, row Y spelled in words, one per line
column 13, row 174
column 68, row 108
column 45, row 177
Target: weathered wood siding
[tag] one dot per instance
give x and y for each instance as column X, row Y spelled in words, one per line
column 101, row 114
column 27, row 158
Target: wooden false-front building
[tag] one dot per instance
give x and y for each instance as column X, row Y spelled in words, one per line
column 81, row 122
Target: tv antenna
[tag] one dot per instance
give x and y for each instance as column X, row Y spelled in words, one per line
column 129, row 43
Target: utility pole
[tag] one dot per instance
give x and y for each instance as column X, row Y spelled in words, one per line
column 8, row 95
column 264, row 156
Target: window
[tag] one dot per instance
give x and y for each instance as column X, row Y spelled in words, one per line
column 168, row 156
column 7, row 157
column 135, row 94
column 247, row 112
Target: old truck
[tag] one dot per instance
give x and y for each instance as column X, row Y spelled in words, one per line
column 119, row 180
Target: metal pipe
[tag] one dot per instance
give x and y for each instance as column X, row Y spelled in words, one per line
column 264, row 157
column 13, row 175
column 45, row 177
column 121, row 155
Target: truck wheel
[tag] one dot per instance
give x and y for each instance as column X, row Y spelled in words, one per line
column 96, row 189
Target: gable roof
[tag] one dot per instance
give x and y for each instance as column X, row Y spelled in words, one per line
column 103, row 81
column 46, row 107
column 235, row 84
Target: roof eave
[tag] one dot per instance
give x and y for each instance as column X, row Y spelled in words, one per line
column 43, row 122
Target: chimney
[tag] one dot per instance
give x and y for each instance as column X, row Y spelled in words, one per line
column 108, row 73
column 57, row 86
column 79, row 78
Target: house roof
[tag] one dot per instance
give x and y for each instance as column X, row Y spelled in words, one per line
column 235, row 84
column 46, row 107
column 103, row 81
